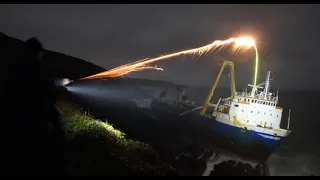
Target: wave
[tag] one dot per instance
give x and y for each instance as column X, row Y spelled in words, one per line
column 294, row 163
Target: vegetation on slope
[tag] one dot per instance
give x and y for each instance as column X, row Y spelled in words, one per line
column 94, row 147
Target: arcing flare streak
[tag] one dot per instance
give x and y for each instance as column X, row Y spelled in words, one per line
column 238, row 44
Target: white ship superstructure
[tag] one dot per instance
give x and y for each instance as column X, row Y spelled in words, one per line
column 255, row 110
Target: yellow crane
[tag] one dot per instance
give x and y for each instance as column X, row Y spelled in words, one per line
column 215, row 83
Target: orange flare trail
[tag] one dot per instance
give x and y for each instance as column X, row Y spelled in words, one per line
column 242, row 43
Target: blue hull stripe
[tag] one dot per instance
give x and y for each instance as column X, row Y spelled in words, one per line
column 241, row 136
column 247, row 137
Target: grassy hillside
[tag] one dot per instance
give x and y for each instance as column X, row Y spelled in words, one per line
column 56, row 64
column 96, row 148
column 90, row 147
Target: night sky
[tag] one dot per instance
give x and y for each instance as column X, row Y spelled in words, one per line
column 111, row 35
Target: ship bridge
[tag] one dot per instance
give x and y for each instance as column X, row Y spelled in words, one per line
column 257, row 108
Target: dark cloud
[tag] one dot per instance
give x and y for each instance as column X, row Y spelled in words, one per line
column 110, row 35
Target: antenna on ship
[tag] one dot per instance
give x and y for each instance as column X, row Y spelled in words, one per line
column 254, row 89
column 289, row 119
column 277, row 93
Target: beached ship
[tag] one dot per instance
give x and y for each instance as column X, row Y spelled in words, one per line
column 246, row 123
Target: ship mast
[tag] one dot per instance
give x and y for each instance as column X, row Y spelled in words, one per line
column 267, row 86
column 266, row 92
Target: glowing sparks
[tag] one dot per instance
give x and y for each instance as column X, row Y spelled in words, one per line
column 242, row 43
column 124, row 69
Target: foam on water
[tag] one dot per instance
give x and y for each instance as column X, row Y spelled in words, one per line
column 296, row 164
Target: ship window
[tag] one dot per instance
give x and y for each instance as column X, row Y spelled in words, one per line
column 264, row 103
column 251, row 111
column 236, row 105
column 270, row 114
column 277, row 115
column 258, row 112
column 242, row 110
column 264, row 113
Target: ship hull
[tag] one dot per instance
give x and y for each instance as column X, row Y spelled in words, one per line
column 245, row 143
